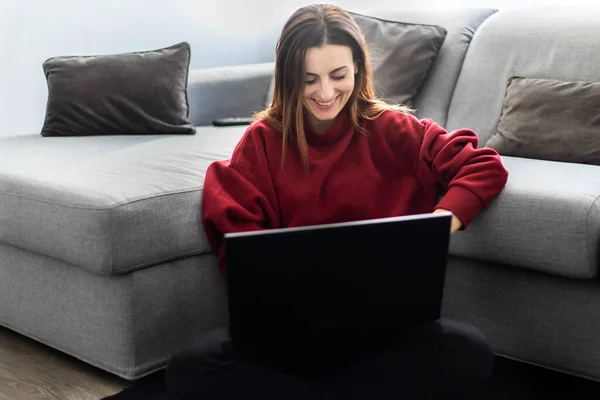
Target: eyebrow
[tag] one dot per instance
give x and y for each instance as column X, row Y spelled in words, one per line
column 332, row 72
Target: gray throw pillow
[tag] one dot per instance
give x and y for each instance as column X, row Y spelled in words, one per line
column 131, row 93
column 402, row 55
column 550, row 120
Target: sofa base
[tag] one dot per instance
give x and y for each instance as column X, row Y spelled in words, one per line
column 125, row 324
column 130, row 324
column 535, row 317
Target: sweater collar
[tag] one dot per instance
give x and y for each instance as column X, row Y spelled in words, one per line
column 340, row 127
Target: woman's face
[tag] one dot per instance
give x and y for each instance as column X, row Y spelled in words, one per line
column 328, row 83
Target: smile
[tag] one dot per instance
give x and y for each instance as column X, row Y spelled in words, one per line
column 325, row 104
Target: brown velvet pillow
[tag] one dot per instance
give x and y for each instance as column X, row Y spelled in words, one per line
column 402, row 55
column 130, row 93
column 550, row 120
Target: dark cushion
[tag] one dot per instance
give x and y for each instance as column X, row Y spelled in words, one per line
column 130, row 93
column 550, row 120
column 401, row 54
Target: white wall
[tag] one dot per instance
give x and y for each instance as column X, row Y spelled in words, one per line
column 220, row 32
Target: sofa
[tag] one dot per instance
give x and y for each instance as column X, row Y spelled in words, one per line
column 103, row 254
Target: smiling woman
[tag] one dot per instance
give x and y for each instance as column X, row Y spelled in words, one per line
column 328, row 150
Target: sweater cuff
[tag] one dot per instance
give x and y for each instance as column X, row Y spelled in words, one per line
column 463, row 203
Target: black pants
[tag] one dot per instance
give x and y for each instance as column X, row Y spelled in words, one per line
column 441, row 359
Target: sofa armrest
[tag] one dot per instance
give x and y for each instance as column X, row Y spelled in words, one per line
column 547, row 218
column 222, row 92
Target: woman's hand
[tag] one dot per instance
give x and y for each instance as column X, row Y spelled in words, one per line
column 455, row 224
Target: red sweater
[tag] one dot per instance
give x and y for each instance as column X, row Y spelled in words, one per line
column 401, row 167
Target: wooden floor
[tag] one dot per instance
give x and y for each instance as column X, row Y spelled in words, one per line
column 31, row 371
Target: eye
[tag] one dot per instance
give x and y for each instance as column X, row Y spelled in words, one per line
column 310, row 82
column 338, row 78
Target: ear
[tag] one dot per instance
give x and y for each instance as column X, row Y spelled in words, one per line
column 355, row 67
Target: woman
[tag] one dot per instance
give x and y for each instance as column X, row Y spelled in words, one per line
column 326, row 151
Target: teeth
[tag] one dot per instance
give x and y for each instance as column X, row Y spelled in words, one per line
column 325, row 104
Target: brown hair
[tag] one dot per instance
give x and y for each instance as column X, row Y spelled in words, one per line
column 316, row 26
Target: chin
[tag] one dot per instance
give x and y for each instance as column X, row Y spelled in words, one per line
column 326, row 116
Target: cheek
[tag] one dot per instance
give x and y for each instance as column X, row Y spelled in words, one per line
column 347, row 86
column 306, row 92
column 309, row 92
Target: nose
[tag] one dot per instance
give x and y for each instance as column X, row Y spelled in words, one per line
column 326, row 91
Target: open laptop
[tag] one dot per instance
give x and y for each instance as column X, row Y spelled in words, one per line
column 292, row 286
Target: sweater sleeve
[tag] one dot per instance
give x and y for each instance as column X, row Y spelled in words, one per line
column 238, row 194
column 471, row 176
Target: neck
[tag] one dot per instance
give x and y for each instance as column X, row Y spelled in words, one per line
column 320, row 126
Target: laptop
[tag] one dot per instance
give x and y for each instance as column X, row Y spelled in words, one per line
column 293, row 287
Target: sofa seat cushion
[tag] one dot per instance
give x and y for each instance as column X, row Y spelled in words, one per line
column 109, row 204
column 547, row 219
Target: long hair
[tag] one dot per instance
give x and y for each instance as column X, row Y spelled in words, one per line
column 316, row 26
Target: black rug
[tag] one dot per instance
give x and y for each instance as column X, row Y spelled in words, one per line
column 510, row 380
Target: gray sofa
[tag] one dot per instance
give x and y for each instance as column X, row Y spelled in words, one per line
column 103, row 255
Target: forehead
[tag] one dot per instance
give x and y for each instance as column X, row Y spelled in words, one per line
column 323, row 60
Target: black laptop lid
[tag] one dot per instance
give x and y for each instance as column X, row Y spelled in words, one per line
column 286, row 285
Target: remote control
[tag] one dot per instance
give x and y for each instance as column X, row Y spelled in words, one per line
column 231, row 121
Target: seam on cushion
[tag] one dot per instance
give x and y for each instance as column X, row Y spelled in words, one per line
column 381, row 19
column 187, row 78
column 161, row 261
column 502, row 111
column 135, row 199
column 133, row 332
column 455, row 83
column 551, row 366
column 588, row 235
column 462, row 63
column 112, row 242
column 132, row 52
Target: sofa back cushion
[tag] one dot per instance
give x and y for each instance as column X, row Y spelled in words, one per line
column 401, row 55
column 546, row 43
column 433, row 99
